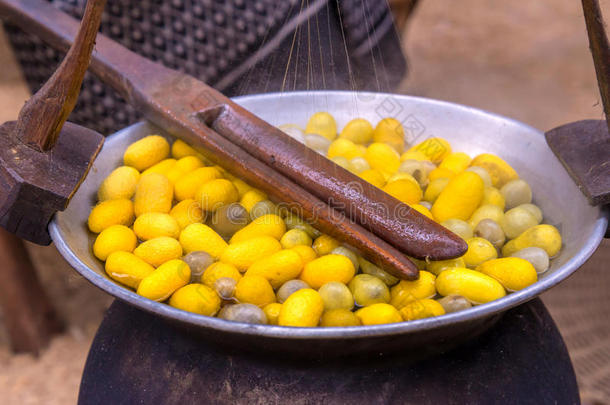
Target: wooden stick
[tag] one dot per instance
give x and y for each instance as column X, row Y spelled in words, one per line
column 28, row 314
column 390, row 219
column 44, row 114
column 600, row 49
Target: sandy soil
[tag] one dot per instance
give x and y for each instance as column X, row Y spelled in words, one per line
column 527, row 60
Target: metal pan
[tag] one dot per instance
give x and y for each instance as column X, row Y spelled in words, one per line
column 468, row 129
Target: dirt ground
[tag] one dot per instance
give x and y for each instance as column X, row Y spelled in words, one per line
column 526, row 60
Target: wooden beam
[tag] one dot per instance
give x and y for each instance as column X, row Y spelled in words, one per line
column 28, row 314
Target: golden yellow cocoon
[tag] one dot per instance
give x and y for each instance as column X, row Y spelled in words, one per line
column 181, row 149
column 344, row 148
column 382, row 157
column 514, row 273
column 436, row 149
column 159, row 250
column 476, row 287
column 378, row 314
column 405, row 191
column 302, row 308
column 154, row 193
column 183, row 167
column 113, row 239
column 326, row 269
column 265, row 225
column 373, row 176
column 186, row 187
column 500, row 171
column 196, row 298
column 272, row 311
column 251, row 197
column 254, row 290
column 110, row 212
column 215, row 194
column 306, row 253
column 120, row 184
column 151, row 225
column 391, row 132
column 339, row 317
column 322, row 123
column 161, row 283
column 324, row 244
column 146, row 152
column 421, row 309
column 200, row 237
column 278, row 268
column 543, row 236
column 127, row 268
column 243, row 254
column 460, row 198
column 219, row 270
column 358, row 131
column 163, row 167
column 407, row 291
column 457, row 162
column 187, row 212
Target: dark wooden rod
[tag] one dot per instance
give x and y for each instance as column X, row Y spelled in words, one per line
column 600, row 49
column 377, row 211
column 44, row 114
